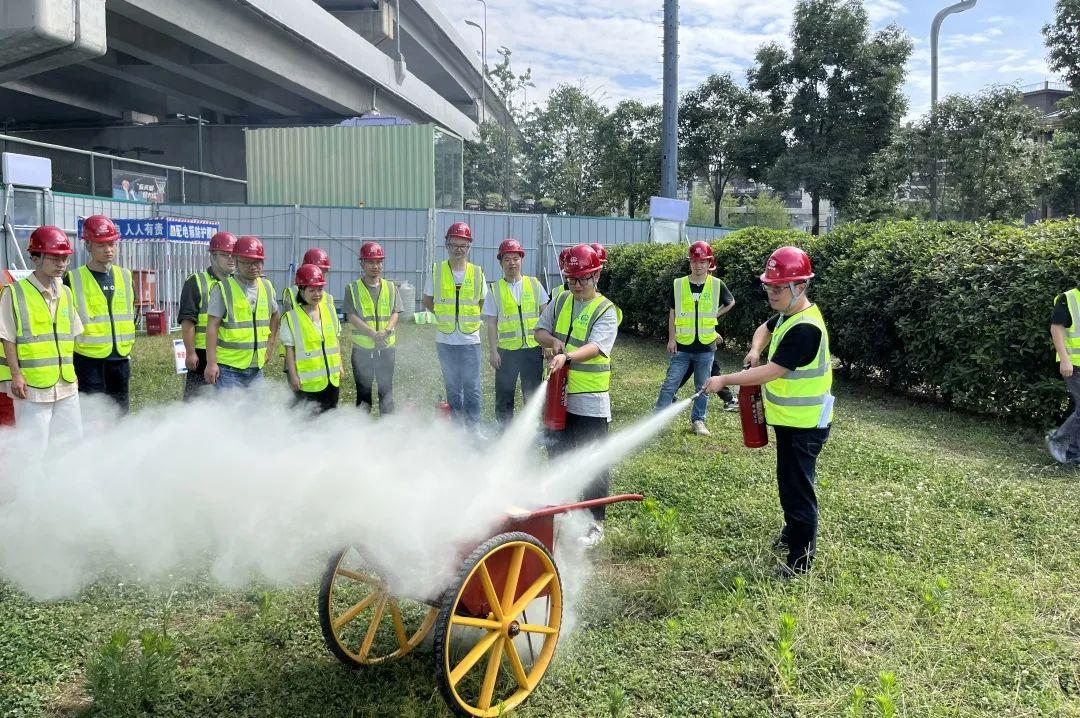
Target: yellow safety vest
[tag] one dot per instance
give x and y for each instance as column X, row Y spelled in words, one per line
column 5, row 370
column 318, row 355
column 516, row 322
column 376, row 316
column 205, row 281
column 288, row 301
column 243, row 334
column 592, row 375
column 43, row 344
column 1072, row 333
column 103, row 322
column 802, row 398
column 457, row 307
column 696, row 317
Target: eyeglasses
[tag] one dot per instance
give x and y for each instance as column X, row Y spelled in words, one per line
column 579, row 281
column 457, row 246
column 773, row 288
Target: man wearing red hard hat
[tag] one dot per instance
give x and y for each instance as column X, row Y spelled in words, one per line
column 511, row 311
column 243, row 320
column 38, row 328
column 372, row 307
column 796, row 383
column 105, row 300
column 194, row 302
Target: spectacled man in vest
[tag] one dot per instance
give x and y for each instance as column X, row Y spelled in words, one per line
column 194, row 303
column 38, row 327
column 511, row 310
column 243, row 319
column 796, row 385
column 105, row 300
column 694, row 305
column 455, row 292
column 1064, row 444
column 372, row 307
column 581, row 326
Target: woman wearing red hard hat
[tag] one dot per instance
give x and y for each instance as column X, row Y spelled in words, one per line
column 796, row 383
column 309, row 333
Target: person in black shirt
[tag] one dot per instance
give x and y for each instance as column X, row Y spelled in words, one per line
column 694, row 305
column 1064, row 444
column 194, row 300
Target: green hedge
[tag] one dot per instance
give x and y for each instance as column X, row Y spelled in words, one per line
column 958, row 311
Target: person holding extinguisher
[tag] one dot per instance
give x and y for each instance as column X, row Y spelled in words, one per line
column 796, row 387
column 581, row 326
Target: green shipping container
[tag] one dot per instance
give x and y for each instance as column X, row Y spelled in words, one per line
column 398, row 166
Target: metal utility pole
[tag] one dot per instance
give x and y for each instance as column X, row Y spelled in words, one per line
column 483, row 65
column 669, row 157
column 935, row 30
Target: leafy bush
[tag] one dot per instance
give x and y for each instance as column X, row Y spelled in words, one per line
column 954, row 310
column 124, row 681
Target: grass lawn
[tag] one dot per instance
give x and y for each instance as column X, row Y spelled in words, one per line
column 947, row 584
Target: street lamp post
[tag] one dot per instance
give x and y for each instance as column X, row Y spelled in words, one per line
column 483, row 64
column 935, row 30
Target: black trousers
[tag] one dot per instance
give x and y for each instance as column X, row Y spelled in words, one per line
column 796, row 468
column 194, row 381
column 580, row 431
column 525, row 363
column 371, row 366
column 326, row 399
column 104, row 376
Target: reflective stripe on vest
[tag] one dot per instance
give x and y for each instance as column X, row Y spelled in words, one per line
column 1072, row 333
column 802, row 398
column 376, row 317
column 43, row 345
column 457, row 307
column 318, row 355
column 5, row 370
column 205, row 281
column 243, row 334
column 288, row 302
column 104, row 322
column 592, row 375
column 696, row 317
column 516, row 322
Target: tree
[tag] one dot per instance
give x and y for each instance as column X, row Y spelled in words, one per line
column 562, row 156
column 629, row 140
column 1063, row 42
column 723, row 133
column 838, row 92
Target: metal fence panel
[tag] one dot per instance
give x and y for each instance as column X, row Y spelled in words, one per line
column 695, row 232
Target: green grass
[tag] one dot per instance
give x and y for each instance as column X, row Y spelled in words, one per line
column 946, row 584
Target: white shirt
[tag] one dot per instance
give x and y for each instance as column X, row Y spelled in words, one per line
column 491, row 307
column 456, row 337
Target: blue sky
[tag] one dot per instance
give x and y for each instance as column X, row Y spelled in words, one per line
column 612, row 47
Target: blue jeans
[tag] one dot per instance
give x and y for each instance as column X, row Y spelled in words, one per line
column 233, row 378
column 461, row 376
column 702, row 363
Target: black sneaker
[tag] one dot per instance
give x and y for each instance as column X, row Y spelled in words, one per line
column 779, row 543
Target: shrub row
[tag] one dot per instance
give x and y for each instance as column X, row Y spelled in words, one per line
column 955, row 310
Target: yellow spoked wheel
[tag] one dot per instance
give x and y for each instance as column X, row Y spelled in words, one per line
column 487, row 664
column 362, row 623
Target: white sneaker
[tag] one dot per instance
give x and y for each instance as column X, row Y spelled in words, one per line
column 699, row 428
column 593, row 536
column 732, row 405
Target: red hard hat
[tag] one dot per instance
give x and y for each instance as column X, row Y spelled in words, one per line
column 459, row 229
column 600, row 251
column 49, row 240
column 318, row 257
column 371, row 250
column 223, row 242
column 700, row 250
column 582, row 261
column 99, row 228
column 510, row 246
column 563, row 256
column 249, row 247
column 787, row 264
column 309, row 275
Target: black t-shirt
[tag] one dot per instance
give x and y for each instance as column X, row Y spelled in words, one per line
column 697, row 346
column 799, row 346
column 108, row 287
column 1061, row 313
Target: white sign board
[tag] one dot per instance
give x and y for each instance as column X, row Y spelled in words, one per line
column 676, row 210
column 180, row 354
column 27, row 170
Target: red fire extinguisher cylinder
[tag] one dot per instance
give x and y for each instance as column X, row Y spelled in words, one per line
column 555, row 401
column 752, row 413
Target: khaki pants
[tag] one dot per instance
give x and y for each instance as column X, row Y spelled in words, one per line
column 48, row 424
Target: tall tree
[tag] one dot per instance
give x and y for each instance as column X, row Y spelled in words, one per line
column 629, row 140
column 724, row 132
column 1063, row 41
column 838, row 91
column 562, row 156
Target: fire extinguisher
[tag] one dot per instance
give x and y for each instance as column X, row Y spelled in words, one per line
column 555, row 401
column 752, row 413
column 442, row 409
